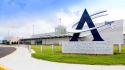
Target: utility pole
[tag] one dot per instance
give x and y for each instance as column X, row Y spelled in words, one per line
column 33, row 30
column 8, row 37
column 60, row 21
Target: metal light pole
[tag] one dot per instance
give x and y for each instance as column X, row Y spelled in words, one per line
column 33, row 29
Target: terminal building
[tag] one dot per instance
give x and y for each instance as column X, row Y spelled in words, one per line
column 56, row 37
column 61, row 34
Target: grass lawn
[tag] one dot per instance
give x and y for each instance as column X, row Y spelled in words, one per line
column 57, row 56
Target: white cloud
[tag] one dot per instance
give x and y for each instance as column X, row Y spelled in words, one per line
column 67, row 18
column 24, row 28
column 38, row 26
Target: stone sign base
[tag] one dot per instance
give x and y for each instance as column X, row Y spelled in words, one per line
column 95, row 47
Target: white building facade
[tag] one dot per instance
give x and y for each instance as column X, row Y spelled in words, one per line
column 115, row 33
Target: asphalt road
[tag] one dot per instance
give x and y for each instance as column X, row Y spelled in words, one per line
column 6, row 50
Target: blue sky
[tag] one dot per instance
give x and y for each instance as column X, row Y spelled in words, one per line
column 12, row 8
column 17, row 17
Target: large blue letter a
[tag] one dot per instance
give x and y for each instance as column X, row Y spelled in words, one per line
column 86, row 18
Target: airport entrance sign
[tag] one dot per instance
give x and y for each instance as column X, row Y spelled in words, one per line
column 100, row 39
column 87, row 47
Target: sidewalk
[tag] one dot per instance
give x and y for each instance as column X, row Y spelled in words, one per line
column 21, row 60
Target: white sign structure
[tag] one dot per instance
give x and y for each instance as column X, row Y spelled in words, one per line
column 99, row 38
column 87, row 47
column 111, row 34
